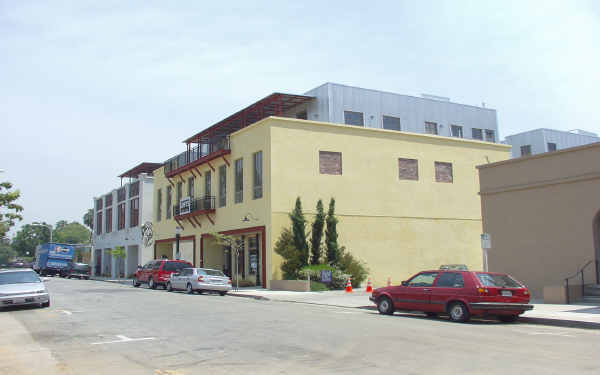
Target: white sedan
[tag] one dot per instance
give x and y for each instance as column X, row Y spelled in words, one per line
column 199, row 280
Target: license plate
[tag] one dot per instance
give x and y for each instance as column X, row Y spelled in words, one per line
column 506, row 293
column 28, row 299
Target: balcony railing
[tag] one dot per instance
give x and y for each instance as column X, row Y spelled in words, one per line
column 197, row 205
column 196, row 153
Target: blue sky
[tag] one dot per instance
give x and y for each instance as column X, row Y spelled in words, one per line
column 89, row 89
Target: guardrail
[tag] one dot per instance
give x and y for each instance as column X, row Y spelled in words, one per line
column 580, row 272
column 196, row 153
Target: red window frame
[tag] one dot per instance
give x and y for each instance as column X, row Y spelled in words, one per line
column 134, row 212
column 121, row 216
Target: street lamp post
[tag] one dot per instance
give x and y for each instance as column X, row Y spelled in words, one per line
column 177, row 236
column 49, row 226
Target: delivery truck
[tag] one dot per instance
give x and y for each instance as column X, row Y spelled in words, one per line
column 53, row 258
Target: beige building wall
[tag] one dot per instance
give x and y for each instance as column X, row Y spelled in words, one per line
column 540, row 213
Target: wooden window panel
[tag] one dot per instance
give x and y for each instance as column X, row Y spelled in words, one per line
column 443, row 172
column 408, row 169
column 330, row 162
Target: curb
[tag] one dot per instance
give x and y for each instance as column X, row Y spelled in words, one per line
column 122, row 282
column 258, row 298
column 560, row 322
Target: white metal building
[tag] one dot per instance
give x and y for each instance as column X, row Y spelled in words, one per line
column 120, row 218
column 546, row 140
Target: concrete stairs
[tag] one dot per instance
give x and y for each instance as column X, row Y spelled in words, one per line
column 591, row 294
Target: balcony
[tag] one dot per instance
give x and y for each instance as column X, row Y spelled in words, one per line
column 196, row 156
column 194, row 207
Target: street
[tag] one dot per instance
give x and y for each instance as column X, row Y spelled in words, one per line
column 95, row 327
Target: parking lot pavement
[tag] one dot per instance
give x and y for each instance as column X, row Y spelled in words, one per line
column 104, row 328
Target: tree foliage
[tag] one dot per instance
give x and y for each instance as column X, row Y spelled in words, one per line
column 352, row 266
column 317, row 234
column 71, row 232
column 331, row 235
column 6, row 252
column 88, row 218
column 29, row 237
column 292, row 257
column 118, row 253
column 9, row 210
column 299, row 232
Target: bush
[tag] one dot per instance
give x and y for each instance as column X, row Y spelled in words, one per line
column 356, row 268
column 338, row 278
column 292, row 258
column 317, row 286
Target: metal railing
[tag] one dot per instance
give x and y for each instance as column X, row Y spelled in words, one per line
column 206, row 203
column 196, row 153
column 580, row 273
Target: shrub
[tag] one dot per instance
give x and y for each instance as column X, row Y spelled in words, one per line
column 292, row 258
column 338, row 278
column 356, row 268
column 317, row 286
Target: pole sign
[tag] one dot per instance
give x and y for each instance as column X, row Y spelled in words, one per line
column 486, row 241
column 326, row 276
column 185, row 206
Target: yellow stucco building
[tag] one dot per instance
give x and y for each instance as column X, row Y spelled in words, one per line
column 404, row 201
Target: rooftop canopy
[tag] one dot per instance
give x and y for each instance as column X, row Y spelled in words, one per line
column 273, row 105
column 141, row 168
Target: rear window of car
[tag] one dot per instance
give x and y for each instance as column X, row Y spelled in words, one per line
column 502, row 281
column 213, row 273
column 175, row 266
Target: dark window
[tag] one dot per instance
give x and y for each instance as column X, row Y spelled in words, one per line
column 525, row 150
column 108, row 220
column 99, row 204
column 257, row 185
column 457, row 131
column 175, row 266
column 239, row 181
column 551, row 146
column 490, row 136
column 148, row 265
column 451, row 280
column 108, row 200
column 302, row 115
column 330, row 162
column 121, row 194
column 391, row 123
column 99, row 223
column 502, row 281
column 121, row 216
column 354, row 118
column 191, row 187
column 169, row 201
column 431, row 128
column 408, row 169
column 134, row 189
column 134, row 212
column 222, row 186
column 212, row 273
column 477, row 134
column 207, row 184
column 423, row 279
column 443, row 172
column 158, row 204
column 156, row 265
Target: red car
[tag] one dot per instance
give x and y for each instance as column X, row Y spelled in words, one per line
column 460, row 294
column 158, row 272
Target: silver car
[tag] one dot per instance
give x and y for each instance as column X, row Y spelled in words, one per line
column 199, row 279
column 22, row 287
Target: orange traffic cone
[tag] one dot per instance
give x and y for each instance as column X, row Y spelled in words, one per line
column 349, row 286
column 369, row 286
column 389, row 281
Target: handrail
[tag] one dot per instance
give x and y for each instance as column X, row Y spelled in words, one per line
column 580, row 272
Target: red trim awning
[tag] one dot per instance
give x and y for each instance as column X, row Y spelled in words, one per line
column 141, row 168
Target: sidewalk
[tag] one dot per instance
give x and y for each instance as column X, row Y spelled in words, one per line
column 111, row 280
column 580, row 316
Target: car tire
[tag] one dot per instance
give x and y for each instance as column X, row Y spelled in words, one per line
column 189, row 289
column 87, row 278
column 508, row 318
column 46, row 304
column 458, row 312
column 151, row 284
column 222, row 293
column 431, row 314
column 136, row 283
column 169, row 287
column 385, row 306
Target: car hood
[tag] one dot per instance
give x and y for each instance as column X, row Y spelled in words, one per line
column 21, row 288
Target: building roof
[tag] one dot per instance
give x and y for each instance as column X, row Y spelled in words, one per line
column 272, row 105
column 144, row 167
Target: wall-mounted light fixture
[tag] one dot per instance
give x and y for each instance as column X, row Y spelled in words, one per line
column 249, row 217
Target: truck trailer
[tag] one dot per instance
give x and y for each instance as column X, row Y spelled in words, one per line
column 53, row 258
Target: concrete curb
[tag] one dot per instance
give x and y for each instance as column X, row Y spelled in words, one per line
column 559, row 322
column 122, row 282
column 258, row 298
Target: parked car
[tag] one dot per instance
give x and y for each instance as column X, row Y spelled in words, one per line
column 460, row 294
column 79, row 270
column 158, row 272
column 199, row 279
column 22, row 287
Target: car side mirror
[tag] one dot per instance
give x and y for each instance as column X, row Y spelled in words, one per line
column 405, row 283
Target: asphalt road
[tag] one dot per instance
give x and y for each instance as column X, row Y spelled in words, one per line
column 96, row 327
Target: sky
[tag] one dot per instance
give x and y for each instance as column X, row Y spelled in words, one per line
column 89, row 89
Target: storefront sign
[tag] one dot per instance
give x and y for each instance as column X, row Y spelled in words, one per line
column 253, row 263
column 185, row 205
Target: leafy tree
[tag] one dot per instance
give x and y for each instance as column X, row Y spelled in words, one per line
column 88, row 218
column 29, row 237
column 331, row 235
column 9, row 211
column 299, row 232
column 317, row 234
column 6, row 252
column 292, row 257
column 356, row 268
column 71, row 233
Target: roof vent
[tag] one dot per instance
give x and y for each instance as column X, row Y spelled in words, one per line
column 435, row 97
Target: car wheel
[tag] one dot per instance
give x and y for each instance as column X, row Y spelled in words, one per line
column 169, row 287
column 189, row 289
column 431, row 314
column 458, row 312
column 136, row 282
column 151, row 284
column 508, row 318
column 222, row 293
column 87, row 278
column 46, row 304
column 385, row 306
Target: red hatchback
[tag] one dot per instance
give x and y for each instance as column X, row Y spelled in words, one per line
column 158, row 272
column 460, row 294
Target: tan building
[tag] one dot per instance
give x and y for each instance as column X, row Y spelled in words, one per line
column 543, row 215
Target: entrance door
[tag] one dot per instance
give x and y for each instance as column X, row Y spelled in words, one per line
column 98, row 268
column 227, row 260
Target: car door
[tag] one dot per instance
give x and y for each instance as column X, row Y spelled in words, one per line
column 185, row 277
column 155, row 270
column 146, row 271
column 449, row 285
column 415, row 294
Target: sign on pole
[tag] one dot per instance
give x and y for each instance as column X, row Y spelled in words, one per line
column 486, row 241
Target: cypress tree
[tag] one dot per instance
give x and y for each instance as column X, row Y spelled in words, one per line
column 317, row 233
column 299, row 232
column 331, row 236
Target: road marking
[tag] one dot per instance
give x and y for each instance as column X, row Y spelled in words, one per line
column 66, row 312
column 122, row 338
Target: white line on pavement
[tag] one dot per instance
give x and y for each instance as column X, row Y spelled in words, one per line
column 122, row 338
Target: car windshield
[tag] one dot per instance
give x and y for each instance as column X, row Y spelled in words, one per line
column 213, row 273
column 18, row 278
column 502, row 281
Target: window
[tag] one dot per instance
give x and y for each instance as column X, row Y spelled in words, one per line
column 431, row 128
column 525, row 150
column 175, row 266
column 391, row 123
column 169, row 201
column 158, row 204
column 134, row 212
column 457, row 131
column 551, row 146
column 443, row 172
column 222, row 186
column 239, row 181
column 98, row 204
column 134, row 189
column 330, row 162
column 354, row 118
column 99, row 222
column 451, row 280
column 408, row 169
column 108, row 228
column 302, row 115
column 121, row 194
column 179, row 193
column 423, row 279
column 191, row 187
column 502, row 281
column 156, row 265
column 108, row 200
column 207, row 183
column 257, row 191
column 477, row 134
column 490, row 136
column 121, row 217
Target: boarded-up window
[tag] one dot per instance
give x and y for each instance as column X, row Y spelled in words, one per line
column 330, row 162
column 408, row 169
column 443, row 172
